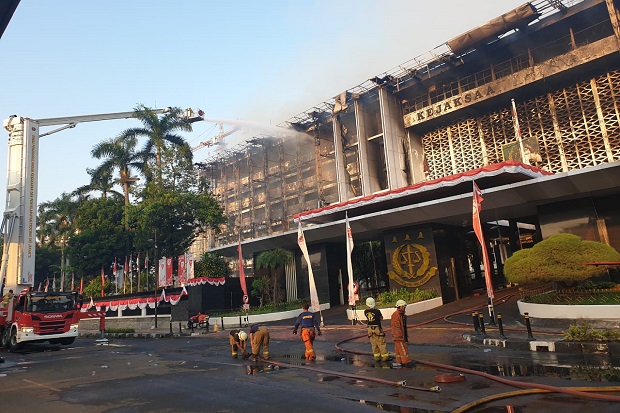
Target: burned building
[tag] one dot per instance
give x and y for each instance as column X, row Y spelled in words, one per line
column 526, row 106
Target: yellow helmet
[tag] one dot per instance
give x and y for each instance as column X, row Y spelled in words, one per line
column 243, row 335
column 401, row 303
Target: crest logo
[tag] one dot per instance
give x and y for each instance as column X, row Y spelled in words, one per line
column 411, row 264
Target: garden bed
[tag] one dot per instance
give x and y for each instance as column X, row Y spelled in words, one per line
column 413, row 308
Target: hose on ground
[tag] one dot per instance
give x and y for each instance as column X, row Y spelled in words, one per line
column 513, row 383
column 402, row 384
column 525, row 392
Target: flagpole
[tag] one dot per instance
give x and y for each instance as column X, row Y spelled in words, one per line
column 515, row 120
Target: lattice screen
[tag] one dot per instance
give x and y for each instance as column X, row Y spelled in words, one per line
column 572, row 133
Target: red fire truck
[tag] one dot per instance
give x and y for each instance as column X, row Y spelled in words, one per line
column 36, row 316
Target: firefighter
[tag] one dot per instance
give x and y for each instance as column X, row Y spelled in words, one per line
column 375, row 331
column 238, row 342
column 309, row 327
column 259, row 338
column 6, row 298
column 399, row 334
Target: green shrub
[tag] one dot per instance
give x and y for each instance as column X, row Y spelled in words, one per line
column 560, row 258
column 600, row 285
column 582, row 332
column 120, row 330
column 264, row 309
column 388, row 299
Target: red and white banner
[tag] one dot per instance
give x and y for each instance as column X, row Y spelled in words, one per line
column 181, row 269
column 102, row 281
column 206, row 280
column 314, row 297
column 190, row 265
column 169, row 271
column 133, row 303
column 161, row 273
column 352, row 294
column 477, row 206
column 244, row 288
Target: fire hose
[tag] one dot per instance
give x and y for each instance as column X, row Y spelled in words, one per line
column 402, row 383
column 536, row 388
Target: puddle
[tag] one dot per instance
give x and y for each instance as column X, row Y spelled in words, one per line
column 606, row 373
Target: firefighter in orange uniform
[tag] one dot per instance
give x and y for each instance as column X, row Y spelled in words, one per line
column 399, row 335
column 309, row 328
column 259, row 338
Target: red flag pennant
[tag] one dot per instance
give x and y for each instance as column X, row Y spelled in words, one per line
column 102, row 282
column 477, row 206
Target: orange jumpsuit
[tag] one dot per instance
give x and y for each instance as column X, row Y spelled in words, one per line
column 399, row 335
column 309, row 324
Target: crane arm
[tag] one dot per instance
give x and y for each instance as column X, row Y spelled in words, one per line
column 92, row 118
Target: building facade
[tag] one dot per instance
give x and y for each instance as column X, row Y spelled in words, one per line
column 527, row 106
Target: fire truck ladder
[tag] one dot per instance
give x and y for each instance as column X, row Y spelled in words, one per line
column 8, row 224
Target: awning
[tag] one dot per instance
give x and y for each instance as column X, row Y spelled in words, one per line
column 506, row 172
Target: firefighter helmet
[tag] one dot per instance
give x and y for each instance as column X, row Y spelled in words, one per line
column 370, row 302
column 243, row 335
column 400, row 303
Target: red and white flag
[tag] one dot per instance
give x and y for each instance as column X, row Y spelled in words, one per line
column 518, row 136
column 102, row 282
column 244, row 288
column 190, row 265
column 181, row 269
column 477, row 206
column 314, row 297
column 161, row 273
column 352, row 295
column 169, row 271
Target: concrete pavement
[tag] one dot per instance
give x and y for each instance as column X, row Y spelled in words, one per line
column 449, row 324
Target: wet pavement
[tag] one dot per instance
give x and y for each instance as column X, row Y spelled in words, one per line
column 513, row 376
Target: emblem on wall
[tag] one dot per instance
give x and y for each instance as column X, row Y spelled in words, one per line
column 411, row 264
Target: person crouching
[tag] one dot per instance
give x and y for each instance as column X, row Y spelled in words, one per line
column 238, row 343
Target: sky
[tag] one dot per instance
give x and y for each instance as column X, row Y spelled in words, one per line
column 251, row 63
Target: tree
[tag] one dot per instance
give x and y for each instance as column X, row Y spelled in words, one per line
column 47, row 258
column 369, row 264
column 212, row 265
column 178, row 218
column 119, row 154
column 93, row 289
column 159, row 131
column 99, row 182
column 274, row 260
column 56, row 224
column 560, row 258
column 101, row 236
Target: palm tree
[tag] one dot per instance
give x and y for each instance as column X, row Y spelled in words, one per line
column 159, row 131
column 99, row 182
column 273, row 260
column 56, row 223
column 119, row 153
